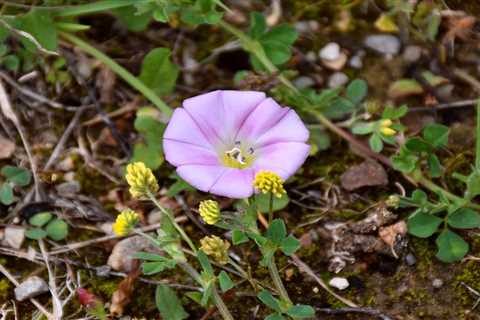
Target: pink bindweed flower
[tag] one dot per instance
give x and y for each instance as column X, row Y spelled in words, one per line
column 219, row 140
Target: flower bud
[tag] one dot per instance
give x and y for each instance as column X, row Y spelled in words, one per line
column 215, row 247
column 268, row 181
column 141, row 180
column 393, row 201
column 209, row 211
column 388, row 131
column 125, row 222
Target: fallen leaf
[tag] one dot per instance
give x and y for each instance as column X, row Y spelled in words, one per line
column 368, row 173
column 122, row 296
column 391, row 233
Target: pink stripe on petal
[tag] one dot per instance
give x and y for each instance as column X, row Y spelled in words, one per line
column 263, row 118
column 180, row 153
column 202, row 177
column 234, row 183
column 181, row 127
column 288, row 156
column 289, row 128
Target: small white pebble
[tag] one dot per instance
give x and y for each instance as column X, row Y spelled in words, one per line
column 339, row 283
column 330, row 52
column 315, row 290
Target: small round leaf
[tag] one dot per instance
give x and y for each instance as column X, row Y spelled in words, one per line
column 451, row 247
column 35, row 234
column 57, row 229
column 40, row 219
column 464, row 218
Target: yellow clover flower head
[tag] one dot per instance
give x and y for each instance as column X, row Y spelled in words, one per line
column 141, row 180
column 209, row 211
column 216, row 247
column 385, row 128
column 269, row 181
column 393, row 201
column 125, row 222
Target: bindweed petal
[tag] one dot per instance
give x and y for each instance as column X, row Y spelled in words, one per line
column 286, row 156
column 234, row 183
column 289, row 128
column 181, row 153
column 201, row 177
column 186, row 130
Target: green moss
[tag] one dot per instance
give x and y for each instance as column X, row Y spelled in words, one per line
column 5, row 289
column 471, row 277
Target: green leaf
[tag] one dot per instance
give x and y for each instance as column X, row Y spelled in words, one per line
column 35, row 234
column 207, row 292
column 405, row 161
column 417, row 145
column 473, row 185
column 275, row 316
column 20, row 176
column 357, row 91
column 225, row 282
column 57, row 229
column 40, row 219
column 149, row 268
column 283, row 33
column 419, row 197
column 205, row 263
column 158, row 72
column 319, row 139
column 361, row 128
column 289, row 245
column 451, row 247
column 239, row 237
column 301, row 311
column 436, row 134
column 169, row 304
column 41, row 26
column 422, row 224
column 258, row 25
column 6, row 194
column 263, row 202
column 178, row 186
column 464, row 218
column 267, row 299
column 277, row 231
column 277, row 52
column 394, row 113
column 375, row 142
column 434, row 166
column 134, row 21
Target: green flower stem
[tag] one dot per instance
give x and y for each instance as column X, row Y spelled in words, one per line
column 277, row 281
column 98, row 6
column 175, row 224
column 221, row 306
column 270, row 208
column 477, row 137
column 121, row 71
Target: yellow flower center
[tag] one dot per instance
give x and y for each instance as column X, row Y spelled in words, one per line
column 239, row 156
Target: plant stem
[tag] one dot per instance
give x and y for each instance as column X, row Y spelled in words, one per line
column 121, row 71
column 270, row 208
column 277, row 281
column 98, row 6
column 221, row 306
column 477, row 137
column 175, row 224
column 244, row 273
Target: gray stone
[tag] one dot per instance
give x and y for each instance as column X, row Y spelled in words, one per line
column 437, row 283
column 412, row 53
column 339, row 283
column 303, row 82
column 121, row 257
column 14, row 237
column 367, row 174
column 330, row 52
column 337, row 79
column 356, row 62
column 30, row 288
column 410, row 259
column 386, row 44
column 311, row 56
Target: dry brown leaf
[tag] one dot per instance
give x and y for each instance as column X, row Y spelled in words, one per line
column 459, row 27
column 390, row 234
column 122, row 296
